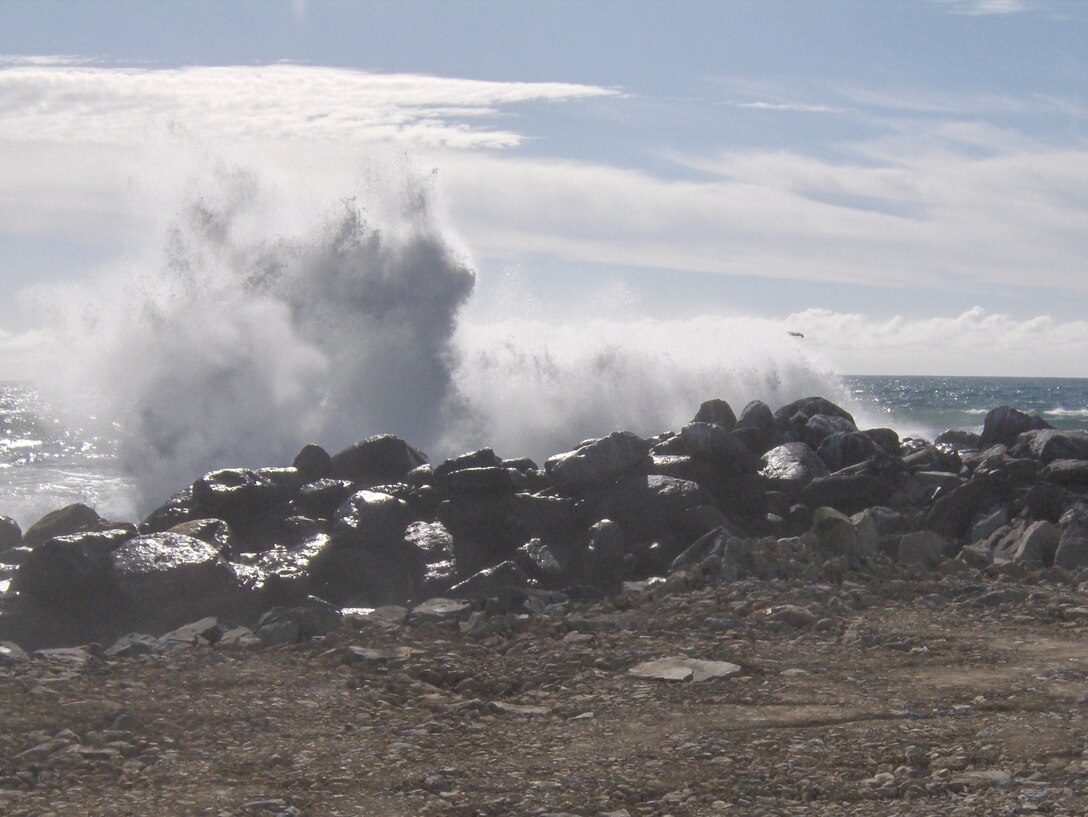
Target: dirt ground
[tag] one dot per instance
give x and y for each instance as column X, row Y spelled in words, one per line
column 961, row 696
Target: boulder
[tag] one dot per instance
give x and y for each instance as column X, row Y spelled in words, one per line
column 371, row 519
column 1072, row 473
column 168, row 579
column 484, row 458
column 321, row 498
column 549, row 566
column 1072, row 552
column 353, row 573
column 291, row 625
column 70, row 573
column 954, row 440
column 313, row 463
column 845, row 448
column 251, row 501
column 435, row 545
column 886, row 439
column 756, row 427
column 1048, row 445
column 494, row 479
column 811, row 419
column 1033, row 544
column 178, row 508
column 285, row 573
column 376, row 460
column 10, row 533
column 606, row 546
column 718, row 445
column 848, row 492
column 837, row 534
column 953, row 514
column 597, row 463
column 652, row 507
column 1005, row 424
column 923, row 549
column 213, row 531
column 718, row 412
column 791, row 466
column 63, row 521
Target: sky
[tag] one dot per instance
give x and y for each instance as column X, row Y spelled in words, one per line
column 904, row 182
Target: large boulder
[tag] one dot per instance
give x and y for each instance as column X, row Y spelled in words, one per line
column 321, row 498
column 652, row 507
column 70, row 573
column 213, row 531
column 483, row 458
column 10, row 533
column 953, row 514
column 376, row 460
column 756, row 427
column 285, row 573
column 853, row 538
column 717, row 445
column 313, row 463
column 718, row 412
column 435, row 545
column 1049, row 444
column 168, row 579
column 1072, row 552
column 1033, row 544
column 1072, row 473
column 1005, row 424
column 598, row 463
column 251, row 501
column 810, row 419
column 371, row 518
column 63, row 521
column 791, row 466
column 845, row 448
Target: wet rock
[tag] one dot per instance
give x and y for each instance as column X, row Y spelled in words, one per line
column 1005, row 424
column 70, row 573
column 597, row 463
column 848, row 492
column 483, row 458
column 1048, row 445
column 10, row 533
column 1072, row 552
column 954, row 440
column 178, row 508
column 756, row 427
column 215, row 532
column 718, row 412
column 715, row 444
column 285, row 573
column 491, row 581
column 167, row 578
column 376, row 460
column 682, row 668
column 481, row 481
column 62, row 522
column 845, row 448
column 435, row 545
column 321, row 498
column 248, row 500
column 885, row 439
column 370, row 519
column 791, row 466
column 549, row 566
column 794, row 416
column 313, row 463
column 652, row 507
column 351, row 574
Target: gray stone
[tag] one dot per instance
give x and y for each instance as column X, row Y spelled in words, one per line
column 921, row 549
column 718, row 445
column 441, row 609
column 598, row 462
column 376, row 461
column 682, row 668
column 1072, row 553
column 1047, row 445
column 791, row 466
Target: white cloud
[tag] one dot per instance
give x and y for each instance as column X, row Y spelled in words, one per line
column 792, row 107
column 986, row 7
column 976, row 340
column 49, row 102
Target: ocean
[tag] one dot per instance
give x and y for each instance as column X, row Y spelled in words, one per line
column 47, row 462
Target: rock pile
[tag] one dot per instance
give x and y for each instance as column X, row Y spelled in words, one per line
column 797, row 492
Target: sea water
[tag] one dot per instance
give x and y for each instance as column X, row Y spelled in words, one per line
column 47, row 461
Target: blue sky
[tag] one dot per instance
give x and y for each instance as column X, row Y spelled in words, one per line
column 905, row 181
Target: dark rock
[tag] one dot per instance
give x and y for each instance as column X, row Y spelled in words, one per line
column 652, row 507
column 522, row 464
column 1034, row 544
column 376, row 460
column 10, row 533
column 70, row 573
column 440, row 609
column 1073, row 473
column 291, row 625
column 848, row 492
column 791, row 466
column 957, row 441
column 372, row 519
column 313, row 463
column 252, row 502
column 484, row 458
column 922, row 549
column 927, row 457
column 953, row 514
column 213, row 531
column 845, row 448
column 597, row 463
column 796, row 422
column 286, row 572
column 177, row 509
column 717, row 445
column 886, row 439
column 836, row 534
column 491, row 582
column 1072, row 553
column 605, row 550
column 167, row 579
column 682, row 466
column 69, row 519
column 549, row 566
column 718, row 412
column 321, row 498
column 481, row 481
column 435, row 545
column 1005, row 424
column 12, row 654
column 350, row 575
column 1048, row 445
column 756, row 427
column 132, row 646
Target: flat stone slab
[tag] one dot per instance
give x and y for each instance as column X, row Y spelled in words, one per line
column 682, row 668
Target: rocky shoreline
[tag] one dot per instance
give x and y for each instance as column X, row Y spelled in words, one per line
column 772, row 615
column 800, row 492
